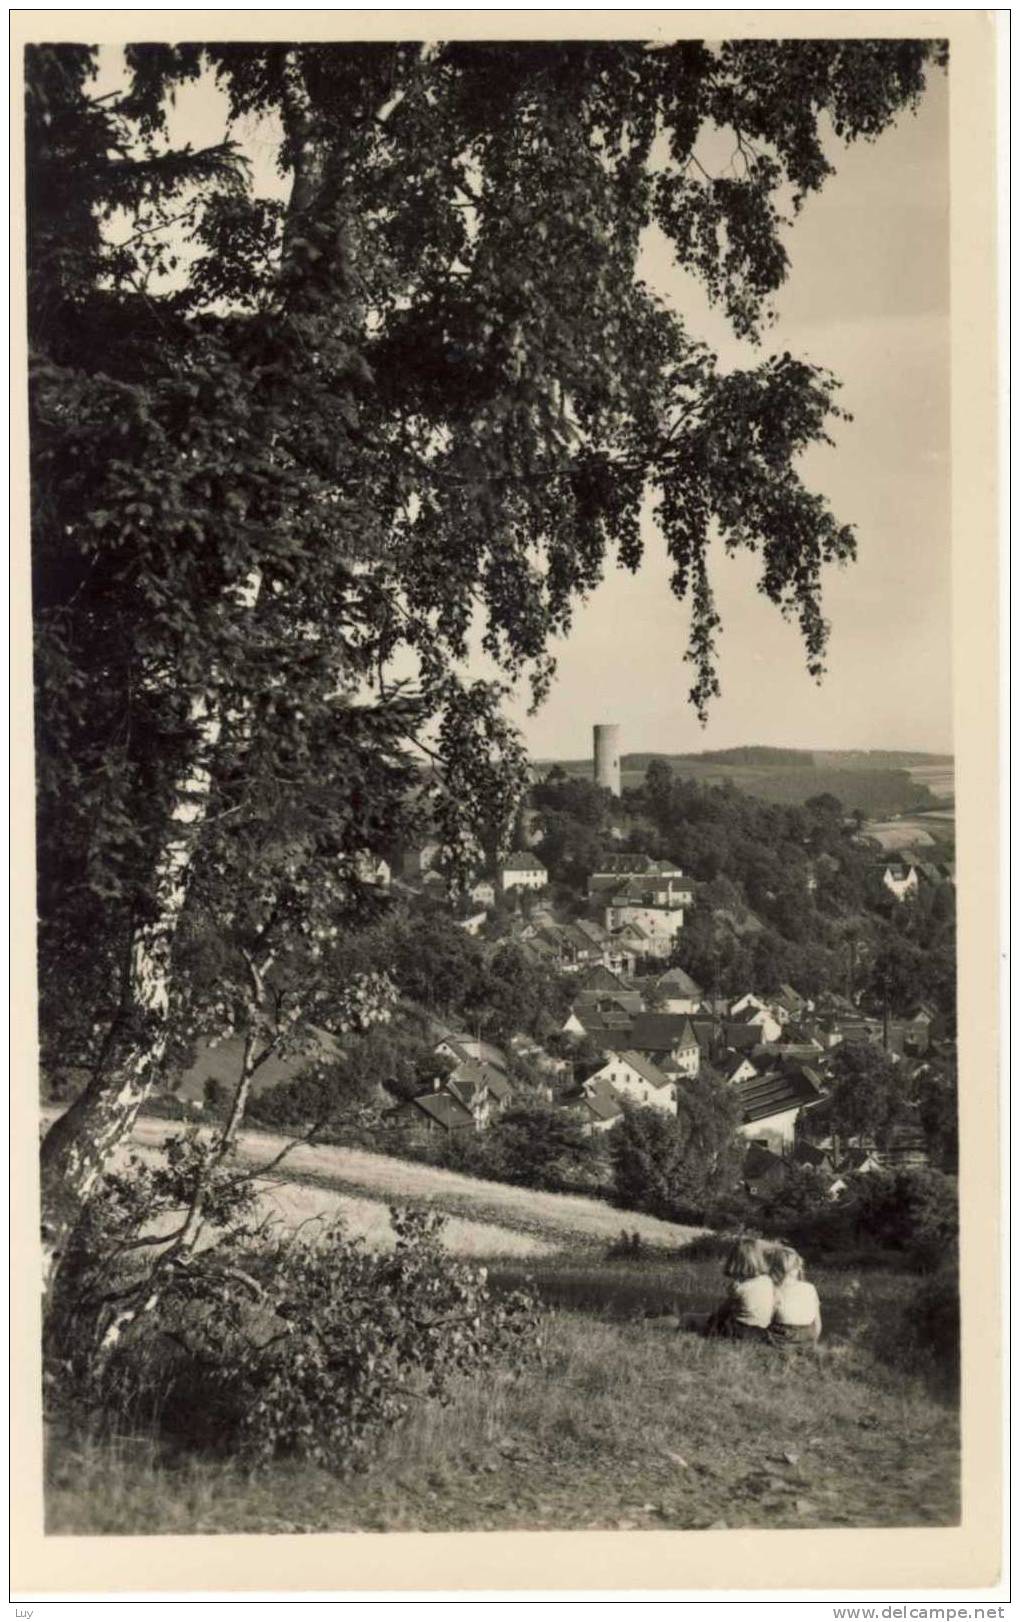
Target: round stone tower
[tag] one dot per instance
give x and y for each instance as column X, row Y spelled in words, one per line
column 607, row 758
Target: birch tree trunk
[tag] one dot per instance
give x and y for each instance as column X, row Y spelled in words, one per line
column 150, row 1291
column 81, row 1142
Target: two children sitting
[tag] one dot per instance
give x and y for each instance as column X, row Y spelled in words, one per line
column 767, row 1297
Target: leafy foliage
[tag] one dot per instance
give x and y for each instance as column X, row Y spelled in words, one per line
column 534, row 1145
column 916, row 1210
column 923, row 1337
column 868, row 1093
column 675, row 1167
column 311, row 1347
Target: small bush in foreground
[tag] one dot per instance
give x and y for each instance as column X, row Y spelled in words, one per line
column 307, row 1347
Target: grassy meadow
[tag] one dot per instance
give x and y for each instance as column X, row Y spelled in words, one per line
column 625, row 1422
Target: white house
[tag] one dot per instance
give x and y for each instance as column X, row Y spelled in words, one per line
column 745, row 1003
column 900, row 879
column 371, row 869
column 739, row 1068
column 637, row 1078
column 484, row 892
column 522, row 871
column 657, row 910
column 665, row 1037
column 770, row 1028
column 473, row 924
column 615, row 870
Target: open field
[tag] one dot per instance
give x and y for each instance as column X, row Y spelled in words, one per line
column 923, row 831
column 313, row 1178
column 939, row 779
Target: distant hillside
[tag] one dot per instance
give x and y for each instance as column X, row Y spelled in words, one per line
column 878, row 782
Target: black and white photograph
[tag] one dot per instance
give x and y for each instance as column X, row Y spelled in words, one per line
column 494, row 785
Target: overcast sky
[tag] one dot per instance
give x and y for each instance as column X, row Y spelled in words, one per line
column 868, row 298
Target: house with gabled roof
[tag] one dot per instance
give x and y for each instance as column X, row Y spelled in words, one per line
column 738, row 1067
column 771, row 1103
column 598, row 981
column 675, row 992
column 763, row 1171
column 667, row 1036
column 599, row 1108
column 788, row 1004
column 432, row 1114
column 599, row 1019
column 749, row 1002
column 461, row 1046
column 899, row 875
column 636, row 1078
column 813, row 1155
column 740, row 1035
column 597, row 978
column 610, row 869
column 763, row 1018
column 481, row 1088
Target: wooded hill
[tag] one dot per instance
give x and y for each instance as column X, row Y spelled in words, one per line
column 878, row 783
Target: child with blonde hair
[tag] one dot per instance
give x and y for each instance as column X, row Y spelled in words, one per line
column 797, row 1315
column 746, row 1310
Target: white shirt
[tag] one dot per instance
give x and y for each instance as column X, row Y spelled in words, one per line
column 753, row 1300
column 797, row 1303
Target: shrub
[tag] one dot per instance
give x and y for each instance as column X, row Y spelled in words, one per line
column 533, row 1146
column 915, row 1210
column 923, row 1338
column 354, row 1338
column 676, row 1167
column 311, row 1346
column 802, row 1203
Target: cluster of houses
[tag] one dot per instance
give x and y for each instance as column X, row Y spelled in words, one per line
column 472, row 1086
column 651, row 1028
column 640, row 905
column 652, row 1036
column 643, row 1032
column 655, row 1034
column 465, row 1098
